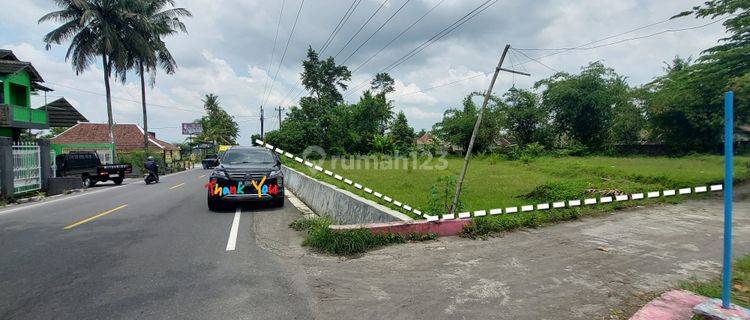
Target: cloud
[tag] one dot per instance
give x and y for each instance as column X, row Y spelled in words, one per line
column 229, row 49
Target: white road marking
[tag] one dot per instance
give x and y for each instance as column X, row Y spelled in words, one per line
column 232, row 242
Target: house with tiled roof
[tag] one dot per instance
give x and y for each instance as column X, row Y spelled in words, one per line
column 85, row 136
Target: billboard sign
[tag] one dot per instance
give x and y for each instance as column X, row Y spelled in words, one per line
column 192, row 128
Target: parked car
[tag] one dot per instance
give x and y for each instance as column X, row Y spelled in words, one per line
column 210, row 161
column 246, row 174
column 91, row 170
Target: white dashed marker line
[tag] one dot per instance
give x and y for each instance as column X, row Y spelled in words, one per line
column 232, row 242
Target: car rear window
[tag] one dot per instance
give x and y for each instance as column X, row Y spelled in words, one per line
column 238, row 156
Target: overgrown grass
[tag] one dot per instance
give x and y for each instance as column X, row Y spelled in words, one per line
column 493, row 182
column 349, row 242
column 740, row 284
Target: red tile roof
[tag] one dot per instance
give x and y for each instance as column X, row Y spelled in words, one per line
column 128, row 137
column 425, row 138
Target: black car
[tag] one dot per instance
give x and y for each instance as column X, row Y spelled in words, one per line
column 210, row 161
column 86, row 164
column 246, row 174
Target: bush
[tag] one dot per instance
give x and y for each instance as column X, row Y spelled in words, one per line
column 485, row 226
column 525, row 153
column 309, row 223
column 138, row 158
column 349, row 242
column 441, row 195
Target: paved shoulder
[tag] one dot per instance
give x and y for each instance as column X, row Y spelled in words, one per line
column 576, row 270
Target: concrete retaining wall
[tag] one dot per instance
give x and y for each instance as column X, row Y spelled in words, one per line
column 63, row 184
column 342, row 206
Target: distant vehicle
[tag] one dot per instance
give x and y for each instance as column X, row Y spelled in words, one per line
column 246, row 174
column 150, row 177
column 210, row 161
column 87, row 165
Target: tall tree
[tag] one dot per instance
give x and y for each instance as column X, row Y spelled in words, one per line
column 324, row 78
column 382, row 84
column 582, row 105
column 457, row 124
column 684, row 105
column 403, row 135
column 218, row 126
column 96, row 28
column 157, row 22
column 527, row 119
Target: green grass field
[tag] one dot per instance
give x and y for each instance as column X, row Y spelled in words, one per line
column 493, row 182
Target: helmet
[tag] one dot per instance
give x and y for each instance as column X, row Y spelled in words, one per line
column 150, row 158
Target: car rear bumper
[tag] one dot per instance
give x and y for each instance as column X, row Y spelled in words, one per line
column 249, row 197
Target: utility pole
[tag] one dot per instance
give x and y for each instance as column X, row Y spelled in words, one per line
column 476, row 126
column 261, row 122
column 280, row 109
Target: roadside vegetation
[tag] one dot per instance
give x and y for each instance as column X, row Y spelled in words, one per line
column 740, row 284
column 495, row 182
column 349, row 242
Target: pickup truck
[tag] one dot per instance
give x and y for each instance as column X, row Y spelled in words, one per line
column 91, row 170
column 210, row 161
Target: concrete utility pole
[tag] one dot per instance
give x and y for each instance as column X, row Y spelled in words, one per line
column 280, row 109
column 476, row 127
column 261, row 122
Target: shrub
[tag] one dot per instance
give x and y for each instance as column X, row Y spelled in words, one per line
column 309, row 223
column 138, row 158
column 485, row 226
column 441, row 195
column 349, row 242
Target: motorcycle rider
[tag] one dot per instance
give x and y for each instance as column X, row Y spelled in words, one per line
column 152, row 167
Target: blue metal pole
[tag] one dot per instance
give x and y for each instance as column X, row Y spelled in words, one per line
column 728, row 175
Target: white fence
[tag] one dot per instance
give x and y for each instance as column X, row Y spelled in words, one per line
column 27, row 169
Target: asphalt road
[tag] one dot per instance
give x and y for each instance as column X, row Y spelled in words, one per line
column 141, row 251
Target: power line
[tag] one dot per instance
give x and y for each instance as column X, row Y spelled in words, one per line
column 397, row 36
column 537, row 60
column 445, row 31
column 376, row 31
column 455, row 25
column 181, row 108
column 273, row 51
column 342, row 22
column 587, row 46
column 286, row 47
column 321, row 51
column 441, row 85
column 360, row 28
column 599, row 40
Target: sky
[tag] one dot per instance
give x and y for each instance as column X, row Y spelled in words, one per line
column 229, row 51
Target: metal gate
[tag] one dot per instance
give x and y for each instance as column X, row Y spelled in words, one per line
column 27, row 169
column 52, row 164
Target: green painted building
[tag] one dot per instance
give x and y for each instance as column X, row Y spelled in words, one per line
column 18, row 81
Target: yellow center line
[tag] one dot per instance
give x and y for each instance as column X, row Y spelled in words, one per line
column 201, row 177
column 94, row 217
column 177, row 186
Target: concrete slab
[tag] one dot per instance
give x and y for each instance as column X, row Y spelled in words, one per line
column 671, row 305
column 711, row 309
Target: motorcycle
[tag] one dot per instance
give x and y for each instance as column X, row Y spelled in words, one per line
column 151, row 177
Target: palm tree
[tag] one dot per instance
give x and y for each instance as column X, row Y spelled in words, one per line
column 155, row 22
column 95, row 28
